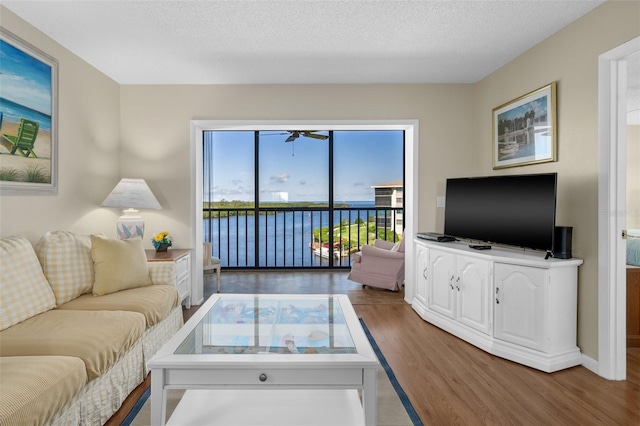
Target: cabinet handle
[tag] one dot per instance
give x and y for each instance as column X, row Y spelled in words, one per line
column 458, row 283
column 263, row 377
column 497, row 295
column 451, row 282
column 424, row 273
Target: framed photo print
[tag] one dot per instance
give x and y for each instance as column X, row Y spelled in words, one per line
column 524, row 129
column 28, row 118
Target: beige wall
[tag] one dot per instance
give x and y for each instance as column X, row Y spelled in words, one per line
column 155, row 130
column 88, row 148
column 570, row 58
column 152, row 133
column 633, row 177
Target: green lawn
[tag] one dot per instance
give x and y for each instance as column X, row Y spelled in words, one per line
column 350, row 235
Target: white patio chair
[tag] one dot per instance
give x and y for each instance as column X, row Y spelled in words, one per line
column 210, row 262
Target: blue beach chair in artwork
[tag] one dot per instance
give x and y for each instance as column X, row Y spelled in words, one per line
column 25, row 139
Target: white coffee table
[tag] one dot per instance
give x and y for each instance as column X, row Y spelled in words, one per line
column 268, row 359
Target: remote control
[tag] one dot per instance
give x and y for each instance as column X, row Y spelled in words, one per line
column 479, row 247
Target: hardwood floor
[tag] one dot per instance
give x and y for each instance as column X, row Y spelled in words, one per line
column 449, row 381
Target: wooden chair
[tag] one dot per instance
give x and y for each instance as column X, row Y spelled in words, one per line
column 210, row 262
column 25, row 139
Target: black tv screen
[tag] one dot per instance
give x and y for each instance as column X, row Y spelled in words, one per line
column 516, row 210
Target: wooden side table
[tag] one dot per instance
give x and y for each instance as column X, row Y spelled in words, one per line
column 182, row 260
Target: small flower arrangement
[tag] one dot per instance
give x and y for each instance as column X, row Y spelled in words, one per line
column 162, row 241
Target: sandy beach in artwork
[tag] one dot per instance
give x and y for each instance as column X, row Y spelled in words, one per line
column 17, row 162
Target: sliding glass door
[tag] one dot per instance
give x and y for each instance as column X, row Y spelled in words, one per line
column 299, row 199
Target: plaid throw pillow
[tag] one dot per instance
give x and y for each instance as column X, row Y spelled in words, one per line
column 67, row 264
column 24, row 290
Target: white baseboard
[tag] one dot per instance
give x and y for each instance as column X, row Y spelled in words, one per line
column 590, row 364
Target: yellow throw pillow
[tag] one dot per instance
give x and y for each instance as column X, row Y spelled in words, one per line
column 118, row 265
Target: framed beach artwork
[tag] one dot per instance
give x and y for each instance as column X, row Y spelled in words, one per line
column 524, row 129
column 28, row 118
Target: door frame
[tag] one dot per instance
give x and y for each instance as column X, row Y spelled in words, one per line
column 411, row 157
column 612, row 86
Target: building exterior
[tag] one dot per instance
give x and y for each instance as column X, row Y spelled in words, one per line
column 390, row 195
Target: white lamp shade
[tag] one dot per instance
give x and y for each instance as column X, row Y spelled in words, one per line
column 131, row 194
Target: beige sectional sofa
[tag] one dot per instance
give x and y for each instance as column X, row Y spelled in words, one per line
column 80, row 317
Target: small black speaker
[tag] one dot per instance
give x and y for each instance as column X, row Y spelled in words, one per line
column 562, row 242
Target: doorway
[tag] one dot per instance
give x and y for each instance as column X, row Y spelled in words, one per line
column 198, row 127
column 613, row 88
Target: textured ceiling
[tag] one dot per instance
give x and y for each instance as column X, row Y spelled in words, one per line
column 247, row 42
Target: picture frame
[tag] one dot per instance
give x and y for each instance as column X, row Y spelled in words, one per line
column 524, row 129
column 28, row 118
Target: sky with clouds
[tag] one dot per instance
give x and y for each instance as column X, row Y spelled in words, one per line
column 24, row 79
column 298, row 170
column 538, row 106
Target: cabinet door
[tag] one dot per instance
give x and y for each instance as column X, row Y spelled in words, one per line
column 519, row 304
column 441, row 277
column 183, row 278
column 472, row 292
column 422, row 269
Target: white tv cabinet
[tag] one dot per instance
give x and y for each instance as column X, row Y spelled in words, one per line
column 514, row 304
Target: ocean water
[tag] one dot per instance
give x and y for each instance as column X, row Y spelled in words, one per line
column 13, row 112
column 284, row 237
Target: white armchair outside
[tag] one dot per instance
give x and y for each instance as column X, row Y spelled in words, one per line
column 211, row 263
column 380, row 265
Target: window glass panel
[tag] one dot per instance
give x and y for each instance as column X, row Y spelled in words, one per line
column 368, row 169
column 293, row 169
column 363, row 159
column 297, row 170
column 228, row 171
column 229, row 166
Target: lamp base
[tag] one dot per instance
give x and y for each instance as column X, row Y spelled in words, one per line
column 130, row 225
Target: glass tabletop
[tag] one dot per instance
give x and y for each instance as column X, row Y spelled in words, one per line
column 258, row 324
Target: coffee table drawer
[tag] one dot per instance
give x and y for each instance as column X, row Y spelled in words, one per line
column 266, row 377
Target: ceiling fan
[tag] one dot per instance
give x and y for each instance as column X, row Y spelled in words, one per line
column 295, row 134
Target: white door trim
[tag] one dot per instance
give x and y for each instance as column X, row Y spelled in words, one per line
column 410, row 127
column 612, row 211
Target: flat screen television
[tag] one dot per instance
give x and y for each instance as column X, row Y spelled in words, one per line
column 515, row 210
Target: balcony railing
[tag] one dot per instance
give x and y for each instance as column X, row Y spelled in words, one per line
column 296, row 237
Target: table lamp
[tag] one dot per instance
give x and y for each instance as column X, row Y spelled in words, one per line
column 131, row 194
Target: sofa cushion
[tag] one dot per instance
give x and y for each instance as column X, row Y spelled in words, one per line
column 154, row 302
column 99, row 338
column 24, row 290
column 36, row 388
column 67, row 264
column 118, row 264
